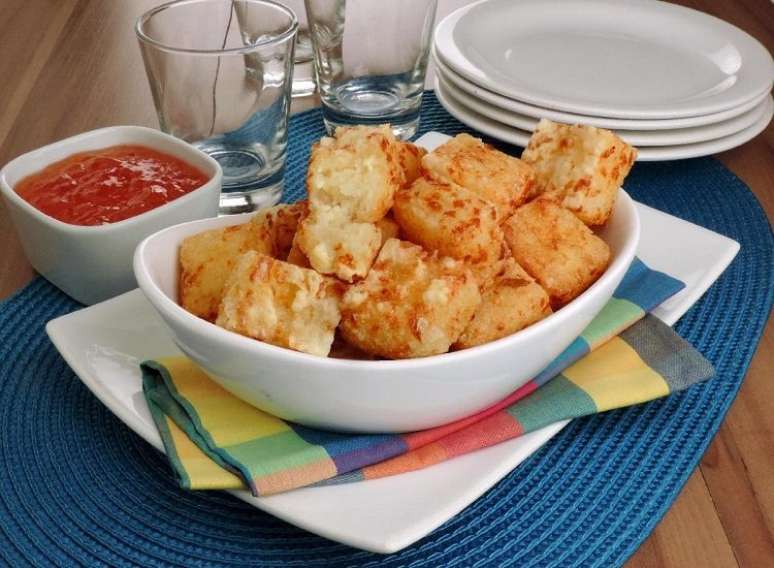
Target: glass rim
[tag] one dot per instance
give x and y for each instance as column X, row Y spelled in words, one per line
column 145, row 38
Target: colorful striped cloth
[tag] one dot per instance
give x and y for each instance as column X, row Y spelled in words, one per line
column 216, row 441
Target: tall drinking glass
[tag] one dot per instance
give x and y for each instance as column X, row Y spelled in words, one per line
column 371, row 60
column 220, row 74
column 303, row 67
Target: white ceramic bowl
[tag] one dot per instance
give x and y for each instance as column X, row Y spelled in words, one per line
column 373, row 396
column 94, row 263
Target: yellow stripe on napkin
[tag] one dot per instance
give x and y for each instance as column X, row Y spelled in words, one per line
column 228, row 419
column 614, row 376
column 203, row 472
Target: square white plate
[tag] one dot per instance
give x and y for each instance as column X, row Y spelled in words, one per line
column 105, row 343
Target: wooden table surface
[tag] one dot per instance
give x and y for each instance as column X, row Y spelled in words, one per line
column 73, row 65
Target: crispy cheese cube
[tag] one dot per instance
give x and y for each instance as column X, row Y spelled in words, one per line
column 335, row 245
column 207, row 259
column 410, row 160
column 503, row 180
column 581, row 167
column 351, row 182
column 452, row 220
column 511, row 302
column 556, row 249
column 357, row 171
column 278, row 225
column 282, row 304
column 411, row 304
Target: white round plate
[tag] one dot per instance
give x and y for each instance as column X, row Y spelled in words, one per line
column 637, row 138
column 614, row 58
column 520, row 137
column 600, row 122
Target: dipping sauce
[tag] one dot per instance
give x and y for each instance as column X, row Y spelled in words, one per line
column 109, row 185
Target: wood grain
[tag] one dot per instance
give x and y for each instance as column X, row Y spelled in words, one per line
column 738, row 468
column 73, row 65
column 675, row 543
column 26, row 41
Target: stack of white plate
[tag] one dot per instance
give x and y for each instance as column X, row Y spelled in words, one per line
column 675, row 82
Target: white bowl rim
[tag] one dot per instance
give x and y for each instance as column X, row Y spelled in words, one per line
column 171, row 308
column 7, row 190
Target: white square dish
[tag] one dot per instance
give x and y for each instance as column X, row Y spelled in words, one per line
column 105, row 343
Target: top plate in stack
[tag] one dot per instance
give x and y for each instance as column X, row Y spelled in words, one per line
column 674, row 81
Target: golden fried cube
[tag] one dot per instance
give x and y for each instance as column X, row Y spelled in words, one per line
column 206, row 260
column 581, row 167
column 278, row 225
column 503, row 180
column 411, row 304
column 282, row 304
column 358, row 171
column 511, row 301
column 446, row 217
column 556, row 249
column 410, row 160
column 335, row 245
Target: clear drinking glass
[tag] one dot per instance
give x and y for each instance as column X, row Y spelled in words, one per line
column 370, row 60
column 303, row 67
column 219, row 72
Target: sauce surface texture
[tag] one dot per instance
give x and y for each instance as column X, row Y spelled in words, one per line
column 109, row 185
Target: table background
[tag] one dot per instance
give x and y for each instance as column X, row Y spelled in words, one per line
column 72, row 65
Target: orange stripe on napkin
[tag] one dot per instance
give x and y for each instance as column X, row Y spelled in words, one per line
column 418, row 439
column 294, row 477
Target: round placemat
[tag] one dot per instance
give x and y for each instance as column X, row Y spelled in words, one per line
column 77, row 487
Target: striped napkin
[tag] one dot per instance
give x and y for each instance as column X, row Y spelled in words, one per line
column 216, row 441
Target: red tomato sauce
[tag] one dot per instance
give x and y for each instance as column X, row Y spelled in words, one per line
column 109, row 185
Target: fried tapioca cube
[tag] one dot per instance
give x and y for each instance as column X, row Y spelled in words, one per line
column 358, row 171
column 410, row 160
column 412, row 303
column 335, row 245
column 282, row 304
column 206, row 260
column 556, row 249
column 581, row 167
column 511, row 302
column 443, row 216
column 503, row 180
column 278, row 225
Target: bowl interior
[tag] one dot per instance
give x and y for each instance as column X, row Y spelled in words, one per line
column 158, row 255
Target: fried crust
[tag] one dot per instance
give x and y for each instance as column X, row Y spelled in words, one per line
column 207, row 259
column 506, row 182
column 282, row 304
column 442, row 216
column 556, row 249
column 581, row 167
column 511, row 302
column 411, row 304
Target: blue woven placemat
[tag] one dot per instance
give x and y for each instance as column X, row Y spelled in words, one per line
column 79, row 488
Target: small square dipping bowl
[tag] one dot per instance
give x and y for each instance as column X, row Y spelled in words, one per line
column 94, row 263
